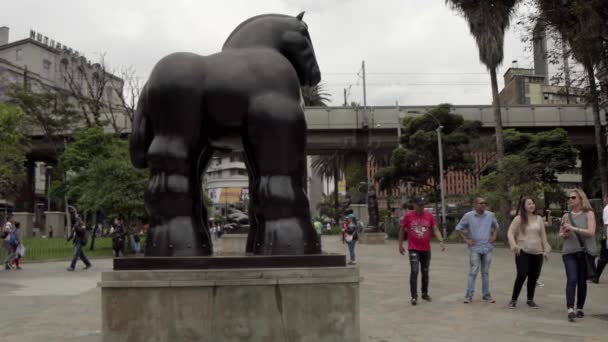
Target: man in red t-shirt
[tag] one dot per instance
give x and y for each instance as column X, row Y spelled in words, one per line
column 418, row 224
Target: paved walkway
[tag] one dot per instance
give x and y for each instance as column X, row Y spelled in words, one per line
column 44, row 303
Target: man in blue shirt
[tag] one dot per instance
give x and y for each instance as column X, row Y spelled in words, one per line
column 478, row 229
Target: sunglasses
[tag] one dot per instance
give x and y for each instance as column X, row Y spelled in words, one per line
column 572, row 197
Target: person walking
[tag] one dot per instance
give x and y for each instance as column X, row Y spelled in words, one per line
column 528, row 240
column 603, row 259
column 17, row 246
column 7, row 229
column 578, row 231
column 418, row 224
column 79, row 239
column 478, row 228
column 118, row 238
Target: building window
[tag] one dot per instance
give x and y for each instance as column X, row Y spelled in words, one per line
column 19, row 54
column 46, row 64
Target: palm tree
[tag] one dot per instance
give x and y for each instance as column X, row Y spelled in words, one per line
column 329, row 166
column 488, row 20
column 315, row 95
column 581, row 24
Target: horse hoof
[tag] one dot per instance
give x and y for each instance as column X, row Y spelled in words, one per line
column 287, row 236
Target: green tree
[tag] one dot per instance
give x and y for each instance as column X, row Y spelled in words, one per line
column 102, row 177
column 488, row 20
column 13, row 148
column 530, row 167
column 330, row 166
column 417, row 160
column 47, row 112
column 583, row 26
column 315, row 95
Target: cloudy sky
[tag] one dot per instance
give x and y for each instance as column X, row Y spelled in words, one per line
column 417, row 52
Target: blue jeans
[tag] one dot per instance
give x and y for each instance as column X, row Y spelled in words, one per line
column 78, row 253
column 477, row 261
column 351, row 249
column 576, row 283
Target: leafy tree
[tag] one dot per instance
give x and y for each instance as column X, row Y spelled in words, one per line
column 488, row 20
column 315, row 95
column 330, row 166
column 12, row 150
column 102, row 177
column 417, row 161
column 582, row 25
column 47, row 112
column 530, row 167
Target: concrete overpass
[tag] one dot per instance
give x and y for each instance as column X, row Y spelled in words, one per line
column 356, row 129
column 347, row 128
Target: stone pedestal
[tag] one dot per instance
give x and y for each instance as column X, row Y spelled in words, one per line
column 277, row 304
column 234, row 244
column 57, row 220
column 26, row 222
column 369, row 238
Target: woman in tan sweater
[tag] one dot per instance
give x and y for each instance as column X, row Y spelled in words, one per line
column 528, row 240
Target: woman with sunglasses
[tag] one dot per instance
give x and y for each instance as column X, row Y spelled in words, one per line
column 528, row 240
column 577, row 225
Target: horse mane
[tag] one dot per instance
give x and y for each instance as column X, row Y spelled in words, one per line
column 248, row 21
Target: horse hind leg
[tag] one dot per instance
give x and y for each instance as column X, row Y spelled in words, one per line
column 275, row 145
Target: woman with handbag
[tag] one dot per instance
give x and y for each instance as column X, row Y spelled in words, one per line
column 350, row 236
column 528, row 240
column 578, row 231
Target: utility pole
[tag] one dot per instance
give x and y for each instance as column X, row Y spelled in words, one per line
column 364, row 87
column 442, row 182
column 345, row 103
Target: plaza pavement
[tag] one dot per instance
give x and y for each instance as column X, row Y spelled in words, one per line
column 44, row 303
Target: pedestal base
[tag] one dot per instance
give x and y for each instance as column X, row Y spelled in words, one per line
column 368, row 238
column 281, row 304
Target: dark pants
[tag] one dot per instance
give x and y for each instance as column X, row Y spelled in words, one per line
column 576, row 274
column 419, row 261
column 602, row 260
column 528, row 266
column 79, row 253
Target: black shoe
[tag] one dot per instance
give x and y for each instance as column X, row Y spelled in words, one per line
column 580, row 314
column 595, row 280
column 532, row 304
column 571, row 316
column 512, row 304
column 427, row 297
column 69, row 269
column 7, row 267
column 414, row 301
column 87, row 267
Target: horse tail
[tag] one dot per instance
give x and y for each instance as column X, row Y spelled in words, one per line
column 141, row 132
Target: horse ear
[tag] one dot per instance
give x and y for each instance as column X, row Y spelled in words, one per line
column 300, row 16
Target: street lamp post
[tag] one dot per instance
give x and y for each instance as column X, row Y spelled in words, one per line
column 442, row 182
column 48, row 187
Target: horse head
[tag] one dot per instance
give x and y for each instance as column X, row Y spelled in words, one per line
column 288, row 35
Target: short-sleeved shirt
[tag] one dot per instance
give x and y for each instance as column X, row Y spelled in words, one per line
column 419, row 227
column 479, row 229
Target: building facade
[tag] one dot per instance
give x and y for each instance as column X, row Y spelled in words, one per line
column 226, row 182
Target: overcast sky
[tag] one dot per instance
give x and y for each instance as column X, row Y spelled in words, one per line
column 417, row 52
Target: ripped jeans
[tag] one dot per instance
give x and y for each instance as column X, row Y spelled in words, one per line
column 419, row 263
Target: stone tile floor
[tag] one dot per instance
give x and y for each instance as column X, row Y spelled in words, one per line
column 44, row 303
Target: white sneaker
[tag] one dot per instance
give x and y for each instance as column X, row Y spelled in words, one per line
column 539, row 283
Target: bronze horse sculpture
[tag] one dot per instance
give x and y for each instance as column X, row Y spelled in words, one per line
column 244, row 98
